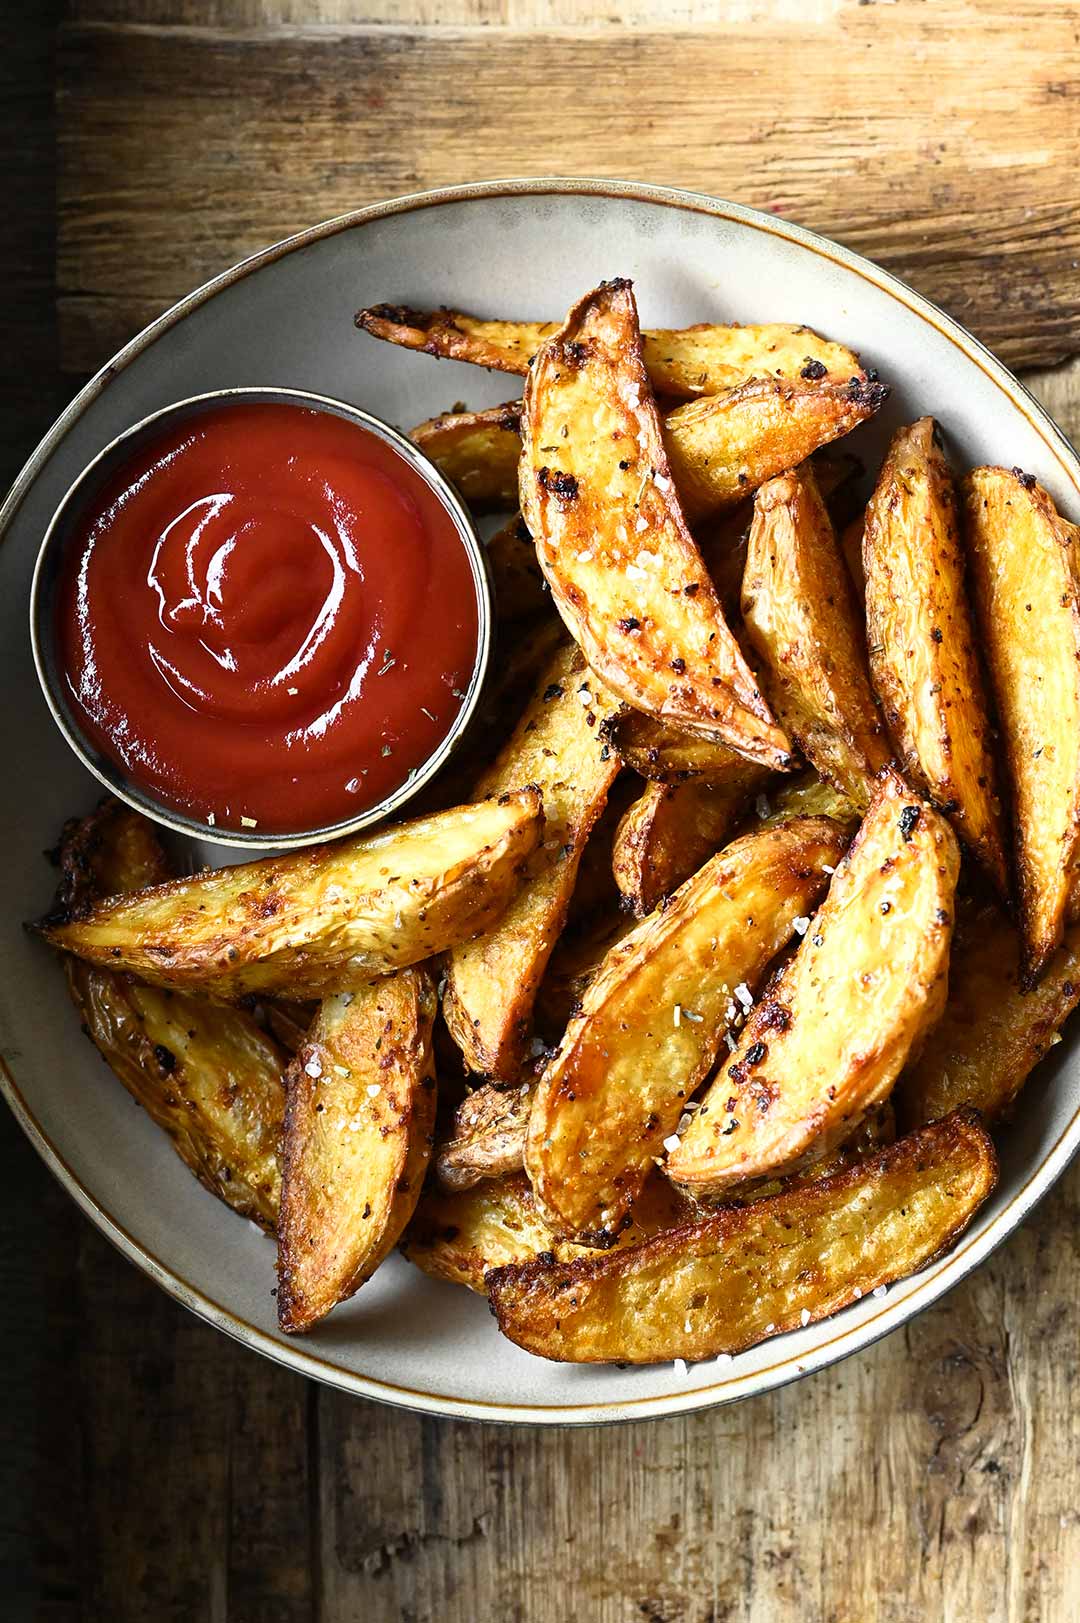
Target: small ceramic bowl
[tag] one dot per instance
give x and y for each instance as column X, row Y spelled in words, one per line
column 80, row 496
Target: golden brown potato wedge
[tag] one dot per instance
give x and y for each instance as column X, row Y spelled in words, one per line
column 478, row 451
column 920, row 633
column 521, row 592
column 665, row 754
column 681, row 361
column 807, row 796
column 652, row 1019
column 491, row 982
column 801, row 619
column 666, row 835
column 835, row 1026
column 624, row 572
column 209, row 1076
column 851, row 545
column 358, row 1126
column 722, row 447
column 1024, row 567
column 320, row 920
column 745, row 1273
column 578, row 954
column 993, row 1033
column 462, row 1236
column 489, row 1136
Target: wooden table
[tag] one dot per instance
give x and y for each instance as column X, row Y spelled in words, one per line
column 151, row 1469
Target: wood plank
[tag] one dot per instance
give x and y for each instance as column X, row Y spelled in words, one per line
column 939, row 139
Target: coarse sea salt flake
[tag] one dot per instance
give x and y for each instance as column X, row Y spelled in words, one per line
column 804, row 1317
column 680, row 1366
column 731, row 1043
column 742, row 992
column 676, row 1015
column 724, row 1358
column 314, row 1066
column 800, row 925
column 373, row 1089
column 249, row 822
column 881, row 1290
column 671, row 1144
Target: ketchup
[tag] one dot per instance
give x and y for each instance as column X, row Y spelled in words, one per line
column 268, row 619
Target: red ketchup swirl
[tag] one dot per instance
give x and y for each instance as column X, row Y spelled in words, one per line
column 268, row 619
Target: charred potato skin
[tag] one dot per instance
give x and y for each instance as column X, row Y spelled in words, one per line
column 832, row 1031
column 923, row 660
column 801, row 619
column 745, row 1273
column 209, row 1077
column 681, row 361
column 322, row 920
column 630, row 1060
column 611, row 539
column 355, row 1148
column 993, row 1033
column 558, row 747
column 1024, row 567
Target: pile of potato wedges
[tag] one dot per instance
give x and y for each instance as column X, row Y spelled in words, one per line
column 680, row 1016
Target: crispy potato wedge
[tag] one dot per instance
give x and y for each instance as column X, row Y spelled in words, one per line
column 489, row 1136
column 1024, row 567
column 521, row 592
column 209, row 1076
column 461, row 1236
column 923, row 663
column 665, row 754
column 807, row 796
column 491, row 982
column 993, row 1033
column 724, row 446
column 652, row 1019
column 834, row 1028
column 320, row 920
column 357, row 1140
column 478, row 451
column 745, row 1273
column 624, row 572
column 851, row 545
column 801, row 619
column 681, row 361
column 578, row 954
column 666, row 835
column 874, row 1131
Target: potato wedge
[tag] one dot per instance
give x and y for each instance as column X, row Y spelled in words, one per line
column 652, row 1019
column 745, row 1273
column 806, row 796
column 851, row 545
column 478, row 451
column 521, row 592
column 321, row 920
column 666, row 754
column 357, row 1140
column 489, row 1136
column 209, row 1076
column 834, row 1028
column 993, row 1033
column 624, row 572
column 923, row 664
column 800, row 618
column 491, row 982
column 681, row 361
column 1024, row 568
column 724, row 446
column 666, row 835
column 462, row 1236
column 578, row 954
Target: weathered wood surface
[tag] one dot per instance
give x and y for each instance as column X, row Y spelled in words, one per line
column 153, row 1472
column 939, row 138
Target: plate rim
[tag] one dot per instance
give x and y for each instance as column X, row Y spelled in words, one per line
column 971, row 1251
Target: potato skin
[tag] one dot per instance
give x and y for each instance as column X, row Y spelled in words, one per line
column 1024, row 568
column 322, row 920
column 625, row 575
column 745, row 1273
column 666, row 754
column 478, row 452
column 488, row 1140
column 832, row 1031
column 557, row 747
column 993, row 1033
column 209, row 1076
column 681, row 361
column 801, row 619
column 666, row 835
column 923, row 662
column 651, row 1021
column 357, row 1140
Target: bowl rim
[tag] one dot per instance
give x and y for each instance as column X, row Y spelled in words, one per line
column 972, row 1249
column 46, row 575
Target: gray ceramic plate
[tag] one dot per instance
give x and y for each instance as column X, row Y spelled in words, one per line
column 519, row 248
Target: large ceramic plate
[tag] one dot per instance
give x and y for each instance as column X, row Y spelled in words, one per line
column 285, row 317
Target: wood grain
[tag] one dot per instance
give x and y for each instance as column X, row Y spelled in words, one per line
column 940, row 139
